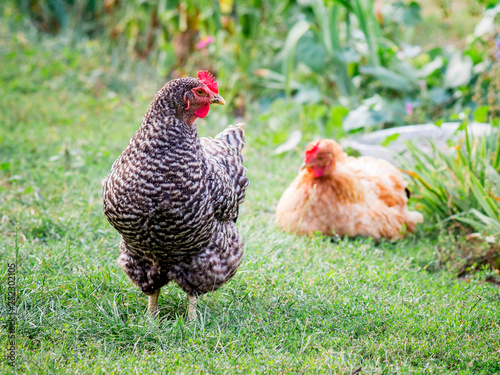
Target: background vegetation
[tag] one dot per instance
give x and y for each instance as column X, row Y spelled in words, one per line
column 76, row 79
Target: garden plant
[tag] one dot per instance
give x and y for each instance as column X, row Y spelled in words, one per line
column 76, row 77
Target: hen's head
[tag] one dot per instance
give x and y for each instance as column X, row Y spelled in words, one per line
column 321, row 156
column 191, row 97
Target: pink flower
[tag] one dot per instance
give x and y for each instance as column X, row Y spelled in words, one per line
column 409, row 108
column 205, row 42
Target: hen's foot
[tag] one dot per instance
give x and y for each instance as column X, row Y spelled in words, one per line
column 153, row 303
column 192, row 300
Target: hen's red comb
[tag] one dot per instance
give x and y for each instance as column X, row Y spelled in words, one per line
column 311, row 150
column 209, row 80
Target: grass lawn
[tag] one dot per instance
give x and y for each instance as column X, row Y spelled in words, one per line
column 296, row 305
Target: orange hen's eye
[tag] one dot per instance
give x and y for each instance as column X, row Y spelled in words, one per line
column 200, row 92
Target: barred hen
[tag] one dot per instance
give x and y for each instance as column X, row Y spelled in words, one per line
column 174, row 197
column 334, row 193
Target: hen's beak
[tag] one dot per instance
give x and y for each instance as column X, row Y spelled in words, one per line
column 217, row 99
column 305, row 165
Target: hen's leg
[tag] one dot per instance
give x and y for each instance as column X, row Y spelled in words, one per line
column 153, row 303
column 192, row 300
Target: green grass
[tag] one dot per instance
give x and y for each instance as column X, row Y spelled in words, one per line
column 296, row 305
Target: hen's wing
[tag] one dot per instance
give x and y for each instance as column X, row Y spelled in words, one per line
column 227, row 175
column 381, row 178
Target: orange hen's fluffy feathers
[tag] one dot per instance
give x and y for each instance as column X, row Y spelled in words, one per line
column 337, row 194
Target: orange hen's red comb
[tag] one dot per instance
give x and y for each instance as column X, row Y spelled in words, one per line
column 311, row 151
column 209, row 80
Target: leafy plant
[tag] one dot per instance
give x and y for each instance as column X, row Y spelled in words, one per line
column 459, row 185
column 362, row 55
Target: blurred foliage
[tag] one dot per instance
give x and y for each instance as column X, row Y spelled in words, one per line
column 460, row 185
column 356, row 56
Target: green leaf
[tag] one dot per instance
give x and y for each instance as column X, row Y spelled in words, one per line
column 310, row 52
column 390, row 79
column 337, row 113
column 297, row 31
column 430, row 68
column 408, row 15
column 290, row 144
column 389, row 139
column 458, row 72
column 481, row 113
column 439, row 96
column 412, row 14
column 5, row 166
column 483, row 200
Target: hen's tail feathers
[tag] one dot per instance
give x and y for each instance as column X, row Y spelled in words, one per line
column 225, row 149
column 233, row 135
column 412, row 219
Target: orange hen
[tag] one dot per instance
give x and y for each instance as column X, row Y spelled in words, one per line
column 337, row 194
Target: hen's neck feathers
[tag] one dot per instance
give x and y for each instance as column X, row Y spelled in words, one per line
column 342, row 185
column 169, row 103
column 164, row 132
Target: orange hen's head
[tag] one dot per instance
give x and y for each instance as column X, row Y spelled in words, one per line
column 321, row 156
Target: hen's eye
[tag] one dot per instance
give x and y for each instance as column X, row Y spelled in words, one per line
column 200, row 92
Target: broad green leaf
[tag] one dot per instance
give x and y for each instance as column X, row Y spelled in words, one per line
column 290, row 144
column 337, row 113
column 310, row 52
column 458, row 72
column 481, row 113
column 390, row 139
column 430, row 68
column 390, row 79
column 5, row 166
column 296, row 32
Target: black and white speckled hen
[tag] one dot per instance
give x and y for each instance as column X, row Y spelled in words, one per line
column 174, row 197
